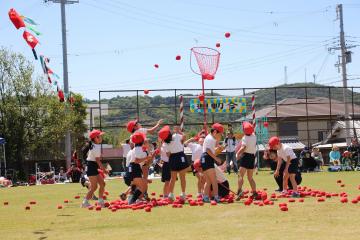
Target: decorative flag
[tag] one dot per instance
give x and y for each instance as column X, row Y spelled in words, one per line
column 16, row 19
column 31, row 41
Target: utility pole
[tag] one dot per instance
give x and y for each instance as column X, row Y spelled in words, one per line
column 65, row 70
column 314, row 77
column 343, row 70
column 285, row 75
column 305, row 75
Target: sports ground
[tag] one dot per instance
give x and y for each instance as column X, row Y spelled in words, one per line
column 310, row 219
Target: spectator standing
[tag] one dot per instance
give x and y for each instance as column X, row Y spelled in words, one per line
column 230, row 144
column 125, row 150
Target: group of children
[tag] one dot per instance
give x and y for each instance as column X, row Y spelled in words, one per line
column 211, row 181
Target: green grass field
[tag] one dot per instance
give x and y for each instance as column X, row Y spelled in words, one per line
column 309, row 220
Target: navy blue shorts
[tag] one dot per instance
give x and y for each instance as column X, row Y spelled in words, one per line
column 207, row 162
column 165, row 172
column 135, row 170
column 178, row 161
column 294, row 165
column 247, row 161
column 127, row 178
column 92, row 168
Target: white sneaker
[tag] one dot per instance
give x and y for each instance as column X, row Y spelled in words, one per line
column 85, row 204
column 171, row 196
column 183, row 196
column 101, row 203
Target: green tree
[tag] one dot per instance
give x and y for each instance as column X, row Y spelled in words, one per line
column 32, row 120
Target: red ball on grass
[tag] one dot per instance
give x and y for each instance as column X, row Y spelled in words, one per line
column 247, row 203
column 114, row 209
column 338, row 181
column 355, row 201
column 98, row 208
column 284, row 209
column 213, row 203
column 321, row 199
column 227, row 35
column 106, row 204
column 90, row 207
column 147, row 209
column 77, row 197
column 32, row 202
column 358, row 198
column 301, row 200
column 106, row 193
column 344, row 200
column 59, row 207
column 27, row 207
column 178, row 57
column 6, row 203
column 153, row 194
column 291, row 200
column 66, row 201
column 217, row 45
column 342, row 185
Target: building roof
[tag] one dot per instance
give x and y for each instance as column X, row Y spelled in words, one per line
column 296, row 107
column 338, row 132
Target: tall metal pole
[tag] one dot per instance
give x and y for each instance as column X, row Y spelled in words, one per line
column 343, row 70
column 66, row 81
column 65, row 72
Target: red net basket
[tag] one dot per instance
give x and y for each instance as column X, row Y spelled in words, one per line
column 207, row 60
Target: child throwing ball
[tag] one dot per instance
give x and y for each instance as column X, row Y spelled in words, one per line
column 246, row 154
column 93, row 163
column 174, row 144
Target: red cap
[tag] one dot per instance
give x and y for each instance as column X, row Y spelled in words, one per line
column 197, row 164
column 274, row 141
column 248, row 128
column 164, row 132
column 94, row 133
column 131, row 125
column 218, row 127
column 138, row 137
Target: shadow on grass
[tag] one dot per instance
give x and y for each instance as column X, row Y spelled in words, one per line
column 42, row 232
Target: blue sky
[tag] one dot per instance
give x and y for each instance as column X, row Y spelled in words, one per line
column 113, row 44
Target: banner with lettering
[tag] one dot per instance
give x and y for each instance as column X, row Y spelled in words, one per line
column 219, row 105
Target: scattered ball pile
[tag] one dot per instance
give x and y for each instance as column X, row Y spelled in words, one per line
column 262, row 200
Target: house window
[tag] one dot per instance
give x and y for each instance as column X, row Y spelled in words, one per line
column 322, row 135
column 288, row 129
